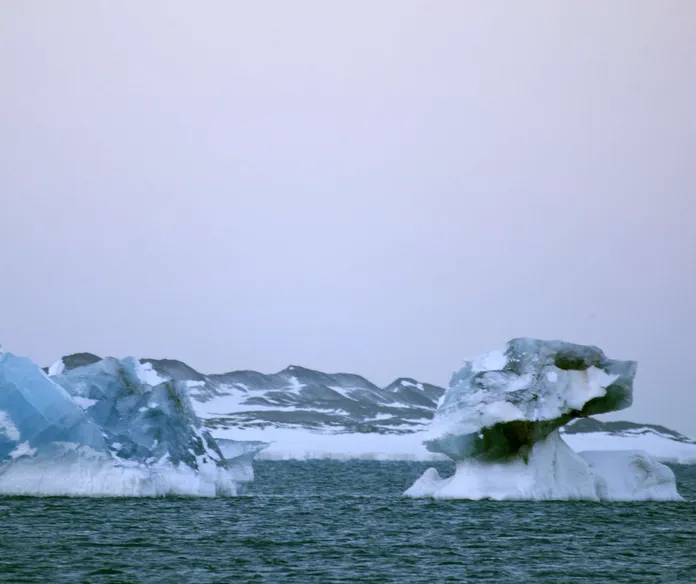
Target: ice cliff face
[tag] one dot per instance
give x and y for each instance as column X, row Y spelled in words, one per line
column 500, row 417
column 110, row 427
column 37, row 412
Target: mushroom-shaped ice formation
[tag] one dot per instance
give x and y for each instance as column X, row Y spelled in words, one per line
column 499, row 422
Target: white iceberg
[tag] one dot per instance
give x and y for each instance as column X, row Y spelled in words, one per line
column 499, row 422
column 627, row 475
column 239, row 456
column 552, row 471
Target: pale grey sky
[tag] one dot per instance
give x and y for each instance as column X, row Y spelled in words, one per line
column 383, row 187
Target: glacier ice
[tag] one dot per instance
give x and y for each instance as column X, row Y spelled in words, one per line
column 499, row 422
column 109, row 428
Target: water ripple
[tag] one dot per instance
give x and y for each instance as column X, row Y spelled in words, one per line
column 345, row 522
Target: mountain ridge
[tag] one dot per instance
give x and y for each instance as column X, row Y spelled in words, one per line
column 298, row 397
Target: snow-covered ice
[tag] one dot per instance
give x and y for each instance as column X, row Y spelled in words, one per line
column 56, row 368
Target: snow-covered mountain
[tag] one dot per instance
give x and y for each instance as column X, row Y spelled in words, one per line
column 295, row 398
column 310, row 414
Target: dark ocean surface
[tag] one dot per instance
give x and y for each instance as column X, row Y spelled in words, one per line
column 322, row 521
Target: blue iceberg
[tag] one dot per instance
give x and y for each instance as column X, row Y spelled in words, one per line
column 108, row 428
column 35, row 412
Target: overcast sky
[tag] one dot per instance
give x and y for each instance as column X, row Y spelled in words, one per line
column 380, row 187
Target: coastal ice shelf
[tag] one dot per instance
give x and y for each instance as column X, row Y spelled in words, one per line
column 499, row 422
column 329, row 444
column 109, row 428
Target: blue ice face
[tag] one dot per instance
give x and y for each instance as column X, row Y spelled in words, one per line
column 105, row 406
column 36, row 411
column 140, row 422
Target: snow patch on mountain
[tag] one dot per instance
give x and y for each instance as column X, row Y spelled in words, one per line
column 345, row 416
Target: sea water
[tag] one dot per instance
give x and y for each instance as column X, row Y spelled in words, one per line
column 325, row 521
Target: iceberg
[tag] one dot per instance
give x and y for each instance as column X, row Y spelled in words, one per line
column 108, row 428
column 499, row 421
column 239, row 455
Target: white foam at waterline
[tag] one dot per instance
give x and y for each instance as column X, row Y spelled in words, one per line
column 97, row 477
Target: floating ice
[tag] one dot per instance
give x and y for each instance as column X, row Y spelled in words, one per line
column 500, row 405
column 103, row 429
column 551, row 471
column 631, row 475
column 499, row 422
column 239, row 456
